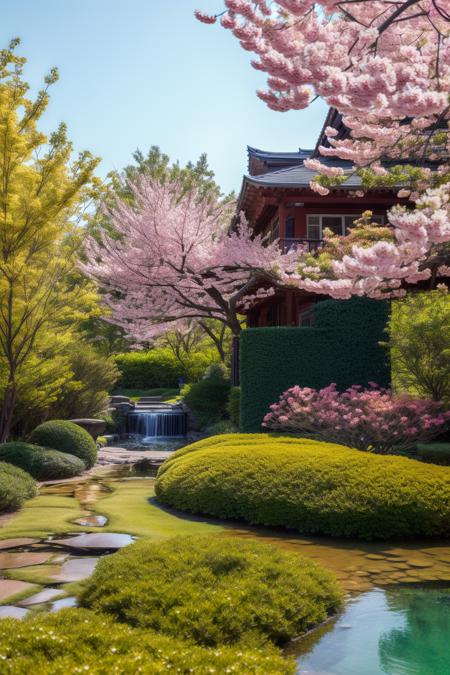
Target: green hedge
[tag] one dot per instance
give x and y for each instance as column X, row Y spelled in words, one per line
column 308, row 486
column 213, row 590
column 234, row 406
column 15, row 487
column 342, row 347
column 41, row 463
column 159, row 368
column 66, row 437
column 76, row 641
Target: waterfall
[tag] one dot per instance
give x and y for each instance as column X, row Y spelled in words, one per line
column 157, row 423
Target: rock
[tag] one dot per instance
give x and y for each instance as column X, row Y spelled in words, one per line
column 16, row 543
column 75, row 569
column 45, row 595
column 107, row 541
column 10, row 587
column 91, row 521
column 94, row 427
column 63, row 603
column 12, row 612
column 25, row 559
column 119, row 399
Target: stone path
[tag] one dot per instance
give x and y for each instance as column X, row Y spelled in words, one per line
column 113, row 455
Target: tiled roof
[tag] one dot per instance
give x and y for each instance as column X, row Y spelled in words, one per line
column 300, row 154
column 261, row 161
column 300, row 176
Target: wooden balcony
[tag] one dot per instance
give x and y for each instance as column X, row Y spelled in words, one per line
column 308, row 244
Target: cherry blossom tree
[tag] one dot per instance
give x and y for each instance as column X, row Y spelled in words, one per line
column 385, row 66
column 168, row 256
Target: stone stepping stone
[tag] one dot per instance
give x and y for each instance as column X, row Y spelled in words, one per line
column 91, row 521
column 12, row 612
column 107, row 541
column 15, row 543
column 45, row 595
column 375, row 556
column 11, row 587
column 25, row 559
column 416, row 562
column 63, row 603
column 75, row 569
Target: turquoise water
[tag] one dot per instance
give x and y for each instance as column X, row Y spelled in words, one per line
column 405, row 631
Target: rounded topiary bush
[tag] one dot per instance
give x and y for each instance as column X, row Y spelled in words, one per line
column 66, row 437
column 15, row 487
column 208, row 399
column 41, row 463
column 76, row 640
column 308, row 486
column 213, row 590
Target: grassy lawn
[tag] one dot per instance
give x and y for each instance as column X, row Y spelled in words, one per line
column 43, row 515
column 127, row 508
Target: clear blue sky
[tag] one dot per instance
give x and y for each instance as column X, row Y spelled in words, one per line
column 145, row 72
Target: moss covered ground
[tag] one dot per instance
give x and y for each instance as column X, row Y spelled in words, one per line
column 129, row 508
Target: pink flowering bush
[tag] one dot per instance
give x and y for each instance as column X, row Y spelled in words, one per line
column 367, row 419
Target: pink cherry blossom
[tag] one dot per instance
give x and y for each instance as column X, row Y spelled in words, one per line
column 367, row 419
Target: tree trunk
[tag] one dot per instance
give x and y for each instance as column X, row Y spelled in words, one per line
column 7, row 412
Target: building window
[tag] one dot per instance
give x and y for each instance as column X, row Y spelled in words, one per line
column 338, row 224
column 290, row 227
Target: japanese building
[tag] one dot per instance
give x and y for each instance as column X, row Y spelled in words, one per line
column 277, row 201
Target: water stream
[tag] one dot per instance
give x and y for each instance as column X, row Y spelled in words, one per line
column 157, row 423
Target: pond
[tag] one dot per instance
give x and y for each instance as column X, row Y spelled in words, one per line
column 395, row 623
column 395, row 631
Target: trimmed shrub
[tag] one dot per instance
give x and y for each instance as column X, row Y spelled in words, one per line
column 76, row 640
column 308, row 486
column 208, row 399
column 436, row 453
column 368, row 419
column 15, row 487
column 66, row 437
column 213, row 590
column 160, row 368
column 234, row 405
column 342, row 347
column 41, row 463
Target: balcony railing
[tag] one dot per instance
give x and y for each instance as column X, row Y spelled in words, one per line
column 307, row 244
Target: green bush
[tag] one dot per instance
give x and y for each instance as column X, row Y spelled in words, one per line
column 86, row 393
column 66, row 437
column 41, row 463
column 76, row 640
column 234, row 405
column 436, row 453
column 342, row 347
column 308, row 486
column 213, row 590
column 208, row 400
column 159, row 368
column 221, row 427
column 15, row 487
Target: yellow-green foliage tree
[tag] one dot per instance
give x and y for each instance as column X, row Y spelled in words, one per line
column 42, row 197
column 419, row 342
